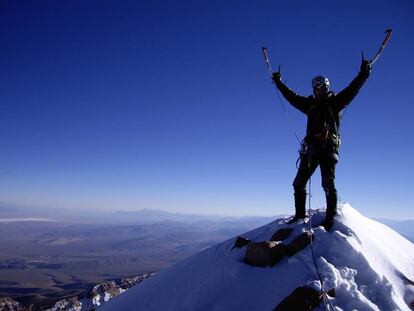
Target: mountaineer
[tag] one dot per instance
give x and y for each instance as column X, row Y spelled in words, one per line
column 321, row 144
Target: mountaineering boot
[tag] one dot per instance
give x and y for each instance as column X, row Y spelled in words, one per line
column 295, row 219
column 331, row 203
column 300, row 203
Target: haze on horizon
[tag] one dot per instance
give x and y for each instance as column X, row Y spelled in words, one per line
column 164, row 105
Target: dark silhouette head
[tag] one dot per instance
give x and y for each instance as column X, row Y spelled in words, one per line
column 320, row 85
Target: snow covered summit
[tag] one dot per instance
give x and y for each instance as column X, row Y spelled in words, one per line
column 370, row 266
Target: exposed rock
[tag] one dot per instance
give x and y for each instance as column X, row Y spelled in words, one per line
column 105, row 288
column 71, row 303
column 281, row 234
column 98, row 295
column 299, row 243
column 262, row 254
column 302, row 299
column 331, row 293
column 269, row 253
column 8, row 304
column 405, row 279
column 240, row 242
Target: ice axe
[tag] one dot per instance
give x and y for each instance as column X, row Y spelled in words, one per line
column 388, row 33
column 269, row 67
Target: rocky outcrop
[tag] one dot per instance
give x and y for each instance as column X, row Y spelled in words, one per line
column 8, row 304
column 105, row 291
column 302, row 299
column 269, row 253
column 72, row 303
column 281, row 234
column 94, row 298
column 241, row 242
column 299, row 243
column 98, row 295
column 262, row 254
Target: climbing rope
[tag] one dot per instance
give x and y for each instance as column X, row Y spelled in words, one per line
column 310, row 231
column 301, row 143
column 269, row 67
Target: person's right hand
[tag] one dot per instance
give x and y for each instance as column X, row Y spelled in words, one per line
column 366, row 65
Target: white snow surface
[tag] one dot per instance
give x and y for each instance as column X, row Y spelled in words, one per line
column 367, row 263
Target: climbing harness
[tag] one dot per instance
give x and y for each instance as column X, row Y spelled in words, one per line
column 303, row 151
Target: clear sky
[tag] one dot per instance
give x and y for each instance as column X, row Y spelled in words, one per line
column 122, row 105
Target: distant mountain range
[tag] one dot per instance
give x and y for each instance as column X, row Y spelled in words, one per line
column 404, row 227
column 139, row 216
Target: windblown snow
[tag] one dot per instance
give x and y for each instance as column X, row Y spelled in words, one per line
column 370, row 266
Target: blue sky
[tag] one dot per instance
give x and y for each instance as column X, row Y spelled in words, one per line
column 168, row 104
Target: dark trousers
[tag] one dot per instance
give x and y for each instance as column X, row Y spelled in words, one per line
column 307, row 167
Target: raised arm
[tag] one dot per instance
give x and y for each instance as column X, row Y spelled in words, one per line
column 345, row 97
column 297, row 101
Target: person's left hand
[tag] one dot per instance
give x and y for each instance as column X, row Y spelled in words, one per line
column 276, row 76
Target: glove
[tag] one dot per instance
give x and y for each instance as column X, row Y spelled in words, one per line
column 276, row 76
column 366, row 66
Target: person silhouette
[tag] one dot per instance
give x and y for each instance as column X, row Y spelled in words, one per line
column 320, row 147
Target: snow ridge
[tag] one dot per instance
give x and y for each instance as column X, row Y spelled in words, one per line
column 370, row 266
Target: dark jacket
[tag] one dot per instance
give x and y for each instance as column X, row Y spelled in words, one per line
column 324, row 115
